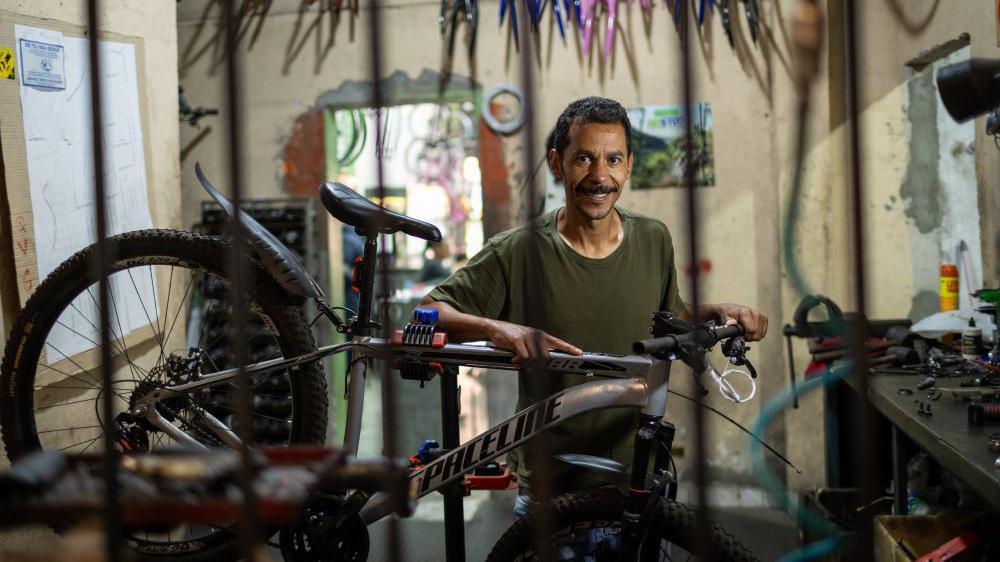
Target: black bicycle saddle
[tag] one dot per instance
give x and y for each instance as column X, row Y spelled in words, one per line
column 367, row 218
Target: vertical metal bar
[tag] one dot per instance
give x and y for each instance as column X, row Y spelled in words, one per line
column 539, row 448
column 454, row 520
column 250, row 539
column 687, row 86
column 112, row 513
column 856, row 187
column 867, row 465
column 389, row 446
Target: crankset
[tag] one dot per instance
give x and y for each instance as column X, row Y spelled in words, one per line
column 326, row 532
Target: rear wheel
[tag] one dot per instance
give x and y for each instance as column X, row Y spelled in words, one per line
column 169, row 321
column 588, row 527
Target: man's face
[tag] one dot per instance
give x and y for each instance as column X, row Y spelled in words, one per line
column 593, row 168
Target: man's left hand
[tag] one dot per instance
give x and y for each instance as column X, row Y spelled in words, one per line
column 754, row 322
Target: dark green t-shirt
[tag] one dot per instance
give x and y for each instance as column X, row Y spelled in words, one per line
column 600, row 305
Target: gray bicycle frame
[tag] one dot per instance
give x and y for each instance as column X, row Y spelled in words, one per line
column 635, row 382
column 626, row 381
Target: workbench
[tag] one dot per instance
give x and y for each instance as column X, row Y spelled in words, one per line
column 946, row 435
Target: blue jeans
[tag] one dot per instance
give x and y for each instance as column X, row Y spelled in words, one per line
column 583, row 546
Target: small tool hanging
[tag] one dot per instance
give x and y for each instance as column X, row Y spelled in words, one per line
column 727, row 24
column 702, row 9
column 557, row 13
column 448, row 22
column 590, row 9
column 513, row 19
column 752, row 12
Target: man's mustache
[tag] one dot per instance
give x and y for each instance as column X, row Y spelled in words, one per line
column 595, row 190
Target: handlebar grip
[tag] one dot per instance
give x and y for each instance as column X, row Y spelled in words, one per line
column 665, row 344
column 726, row 332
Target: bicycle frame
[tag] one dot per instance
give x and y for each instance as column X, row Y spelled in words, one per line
column 630, row 381
column 637, row 382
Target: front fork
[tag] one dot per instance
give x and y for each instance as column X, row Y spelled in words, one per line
column 643, row 497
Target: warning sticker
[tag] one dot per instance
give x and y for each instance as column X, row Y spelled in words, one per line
column 7, row 66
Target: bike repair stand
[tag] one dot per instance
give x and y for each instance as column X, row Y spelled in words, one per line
column 454, row 494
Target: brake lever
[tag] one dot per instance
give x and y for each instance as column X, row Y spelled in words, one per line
column 736, row 350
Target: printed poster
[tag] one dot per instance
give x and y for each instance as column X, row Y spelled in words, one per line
column 658, row 145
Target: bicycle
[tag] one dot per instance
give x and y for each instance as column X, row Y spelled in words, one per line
column 175, row 400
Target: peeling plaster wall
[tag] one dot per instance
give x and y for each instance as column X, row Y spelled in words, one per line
column 904, row 194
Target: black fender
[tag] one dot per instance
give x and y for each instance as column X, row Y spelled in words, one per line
column 281, row 262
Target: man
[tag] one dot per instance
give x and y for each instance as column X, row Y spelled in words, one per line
column 603, row 270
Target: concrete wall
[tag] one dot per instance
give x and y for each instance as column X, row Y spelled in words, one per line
column 908, row 185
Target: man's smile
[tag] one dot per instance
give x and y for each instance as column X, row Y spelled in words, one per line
column 595, row 194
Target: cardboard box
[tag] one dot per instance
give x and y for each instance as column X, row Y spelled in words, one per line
column 904, row 538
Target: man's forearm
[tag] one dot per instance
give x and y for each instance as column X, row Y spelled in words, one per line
column 461, row 327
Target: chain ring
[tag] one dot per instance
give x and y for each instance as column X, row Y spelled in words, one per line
column 324, row 533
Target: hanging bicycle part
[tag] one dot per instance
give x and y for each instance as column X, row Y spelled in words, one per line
column 752, row 12
column 590, row 9
column 448, row 19
column 727, row 23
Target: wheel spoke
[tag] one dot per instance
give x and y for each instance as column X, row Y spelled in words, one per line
column 77, row 365
column 113, row 340
column 179, row 308
column 68, row 429
column 118, row 320
column 81, row 443
column 119, row 355
column 156, row 334
column 94, row 440
column 166, row 306
column 256, row 415
column 63, row 403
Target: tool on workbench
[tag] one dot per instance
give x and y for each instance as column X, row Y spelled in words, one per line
column 991, row 297
column 981, row 412
column 831, row 327
column 964, row 394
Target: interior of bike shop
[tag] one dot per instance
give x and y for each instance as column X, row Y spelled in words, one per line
column 497, row 290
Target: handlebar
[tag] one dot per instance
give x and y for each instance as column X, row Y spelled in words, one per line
column 706, row 336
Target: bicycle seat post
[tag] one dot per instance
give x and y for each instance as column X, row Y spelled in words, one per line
column 363, row 327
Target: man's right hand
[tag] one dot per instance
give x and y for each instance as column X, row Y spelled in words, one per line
column 526, row 343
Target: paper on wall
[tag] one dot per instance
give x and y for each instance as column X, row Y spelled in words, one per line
column 59, row 147
column 42, row 63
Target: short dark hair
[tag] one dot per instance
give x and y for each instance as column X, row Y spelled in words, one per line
column 592, row 109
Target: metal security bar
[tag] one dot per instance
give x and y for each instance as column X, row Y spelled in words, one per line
column 250, row 527
column 112, row 515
